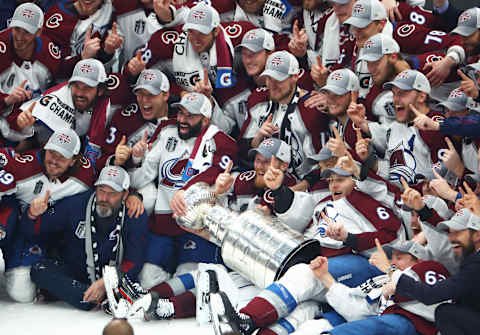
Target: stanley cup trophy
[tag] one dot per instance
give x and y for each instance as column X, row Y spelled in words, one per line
column 259, row 247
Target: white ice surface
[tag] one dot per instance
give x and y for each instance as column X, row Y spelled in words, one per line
column 60, row 318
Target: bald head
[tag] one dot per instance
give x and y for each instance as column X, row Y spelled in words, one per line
column 118, row 327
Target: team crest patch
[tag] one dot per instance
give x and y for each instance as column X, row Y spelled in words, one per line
column 35, row 250
column 190, row 245
column 139, row 27
column 3, row 160
column 171, row 144
column 80, row 231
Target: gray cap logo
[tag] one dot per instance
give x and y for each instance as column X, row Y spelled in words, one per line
column 86, row 68
column 198, row 15
column 276, row 61
column 358, row 8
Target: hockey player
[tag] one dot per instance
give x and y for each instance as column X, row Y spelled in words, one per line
column 96, row 230
column 175, row 298
column 468, row 29
column 398, row 314
column 283, row 296
column 138, row 120
column 79, row 28
column 279, row 111
column 80, row 103
column 185, row 151
column 409, row 153
column 29, row 60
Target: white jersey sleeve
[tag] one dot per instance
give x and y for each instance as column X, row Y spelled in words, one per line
column 300, row 213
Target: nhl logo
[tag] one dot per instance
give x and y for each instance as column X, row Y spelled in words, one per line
column 171, row 144
column 139, row 27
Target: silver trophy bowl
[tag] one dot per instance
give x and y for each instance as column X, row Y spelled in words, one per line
column 199, row 199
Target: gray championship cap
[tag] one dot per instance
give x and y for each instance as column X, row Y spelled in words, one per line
column 377, row 46
column 115, row 177
column 410, row 80
column 463, row 219
column 341, row 81
column 341, row 2
column 65, row 141
column 89, row 71
column 257, row 39
column 195, row 103
column 324, row 154
column 409, row 247
column 154, row 81
column 203, row 18
column 335, row 170
column 281, row 65
column 365, row 12
column 457, row 101
column 468, row 22
column 273, row 147
column 27, row 16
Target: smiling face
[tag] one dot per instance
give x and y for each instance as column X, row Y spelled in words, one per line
column 471, row 43
column 22, row 39
column 254, row 62
column 340, row 186
column 152, row 106
column 402, row 100
column 56, row 164
column 201, row 42
column 190, row 125
column 363, row 34
column 403, row 260
column 462, row 242
column 83, row 95
column 343, row 12
column 87, row 7
column 281, row 91
column 338, row 104
column 382, row 70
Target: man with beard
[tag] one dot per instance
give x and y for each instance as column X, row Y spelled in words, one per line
column 247, row 190
column 81, row 103
column 462, row 316
column 96, row 231
column 279, row 111
column 409, row 152
column 29, row 61
column 468, row 27
column 184, row 151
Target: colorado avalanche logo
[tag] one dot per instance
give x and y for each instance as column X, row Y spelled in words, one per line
column 403, row 162
column 54, row 50
column 172, row 172
column 233, row 30
column 433, row 58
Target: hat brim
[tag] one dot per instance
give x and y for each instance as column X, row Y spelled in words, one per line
column 153, row 90
column 275, row 75
column 342, row 2
column 369, row 57
column 464, row 31
column 328, row 172
column 451, row 224
column 89, row 82
column 452, row 106
column 475, row 66
column 254, row 151
column 251, row 47
column 319, row 157
column 334, row 89
column 401, row 86
column 358, row 22
column 198, row 27
column 62, row 151
column 20, row 24
column 109, row 183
